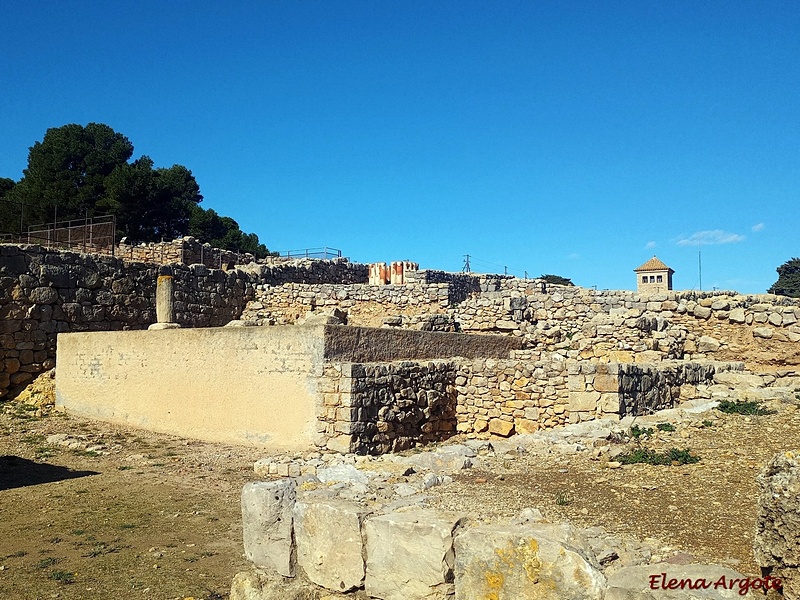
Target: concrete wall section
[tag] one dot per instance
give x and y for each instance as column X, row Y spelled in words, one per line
column 254, row 386
column 368, row 344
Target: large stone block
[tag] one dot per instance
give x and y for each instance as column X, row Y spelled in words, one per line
column 267, row 508
column 329, row 544
column 583, row 401
column 410, row 555
column 532, row 561
column 776, row 545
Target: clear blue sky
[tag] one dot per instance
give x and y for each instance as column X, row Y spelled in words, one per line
column 574, row 138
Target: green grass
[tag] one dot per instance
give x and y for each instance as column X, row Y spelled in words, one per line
column 672, row 456
column 707, row 423
column 46, row 562
column 665, row 427
column 563, row 499
column 749, row 407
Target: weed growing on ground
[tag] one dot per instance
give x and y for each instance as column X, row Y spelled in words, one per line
column 665, row 427
column 637, row 432
column 563, row 499
column 673, row 456
column 749, row 407
column 46, row 562
column 707, row 423
column 63, row 576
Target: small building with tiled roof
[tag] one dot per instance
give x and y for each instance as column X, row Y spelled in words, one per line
column 653, row 276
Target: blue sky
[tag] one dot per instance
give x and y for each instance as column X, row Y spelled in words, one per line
column 574, row 138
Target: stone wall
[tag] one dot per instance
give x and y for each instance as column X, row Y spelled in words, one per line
column 379, row 408
column 44, row 293
column 186, row 250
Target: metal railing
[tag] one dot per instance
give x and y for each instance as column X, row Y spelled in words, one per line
column 324, row 253
column 90, row 234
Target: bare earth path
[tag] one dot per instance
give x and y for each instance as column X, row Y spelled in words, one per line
column 158, row 517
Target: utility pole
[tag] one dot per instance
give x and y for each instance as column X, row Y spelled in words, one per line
column 526, row 274
column 505, row 270
column 700, row 268
column 466, row 268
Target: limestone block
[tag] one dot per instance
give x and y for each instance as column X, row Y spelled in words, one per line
column 789, row 318
column 501, row 427
column 763, row 332
column 633, row 583
column 736, row 315
column 708, row 344
column 251, row 585
column 776, row 545
column 737, row 379
column 528, row 561
column 775, row 319
column 267, row 524
column 720, row 305
column 506, row 325
column 525, row 426
column 410, row 555
column 606, row 383
column 610, row 403
column 701, row 312
column 329, row 543
column 583, row 401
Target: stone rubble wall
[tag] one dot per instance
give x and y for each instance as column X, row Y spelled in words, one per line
column 186, row 250
column 45, row 292
column 387, row 407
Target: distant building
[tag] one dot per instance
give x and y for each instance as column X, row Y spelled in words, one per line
column 653, row 276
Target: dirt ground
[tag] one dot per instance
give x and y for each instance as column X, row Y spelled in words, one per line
column 132, row 514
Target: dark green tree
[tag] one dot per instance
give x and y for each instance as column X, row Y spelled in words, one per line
column 556, row 280
column 67, row 171
column 9, row 210
column 788, row 283
column 224, row 232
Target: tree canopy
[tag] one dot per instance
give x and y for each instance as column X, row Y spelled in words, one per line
column 556, row 280
column 788, row 283
column 78, row 171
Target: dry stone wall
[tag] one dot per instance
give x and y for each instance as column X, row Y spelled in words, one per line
column 379, row 408
column 186, row 250
column 45, row 292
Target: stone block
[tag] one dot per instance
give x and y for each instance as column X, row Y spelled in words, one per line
column 708, row 344
column 583, row 401
column 528, row 561
column 610, row 403
column 702, row 312
column 606, row 383
column 737, row 315
column 765, row 333
column 525, row 426
column 329, row 543
column 776, row 546
column 267, row 508
column 501, row 427
column 410, row 555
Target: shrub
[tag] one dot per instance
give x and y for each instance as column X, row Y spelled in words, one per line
column 750, row 407
column 673, row 456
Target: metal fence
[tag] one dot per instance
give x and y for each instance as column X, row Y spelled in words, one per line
column 324, row 253
column 90, row 234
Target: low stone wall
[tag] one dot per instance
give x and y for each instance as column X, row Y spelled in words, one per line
column 186, row 250
column 44, row 293
column 306, row 545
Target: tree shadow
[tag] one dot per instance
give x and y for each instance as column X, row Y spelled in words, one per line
column 20, row 472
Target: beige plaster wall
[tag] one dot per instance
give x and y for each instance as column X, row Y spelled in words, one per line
column 254, row 386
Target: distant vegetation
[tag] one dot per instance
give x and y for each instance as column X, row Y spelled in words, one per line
column 556, row 280
column 788, row 283
column 78, row 171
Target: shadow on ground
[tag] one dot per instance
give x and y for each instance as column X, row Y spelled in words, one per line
column 18, row 472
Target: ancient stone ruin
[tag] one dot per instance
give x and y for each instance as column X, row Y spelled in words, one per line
column 425, row 355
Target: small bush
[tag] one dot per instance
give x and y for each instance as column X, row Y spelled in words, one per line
column 63, row 576
column 563, row 499
column 673, row 456
column 707, row 423
column 637, row 432
column 665, row 427
column 750, row 407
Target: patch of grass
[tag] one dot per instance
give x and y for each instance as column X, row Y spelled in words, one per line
column 707, row 423
column 563, row 499
column 33, row 439
column 673, row 456
column 127, row 526
column 748, row 407
column 637, row 432
column 18, row 554
column 665, row 427
column 101, row 548
column 124, row 467
column 46, row 562
column 81, row 452
column 78, row 531
column 63, row 576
